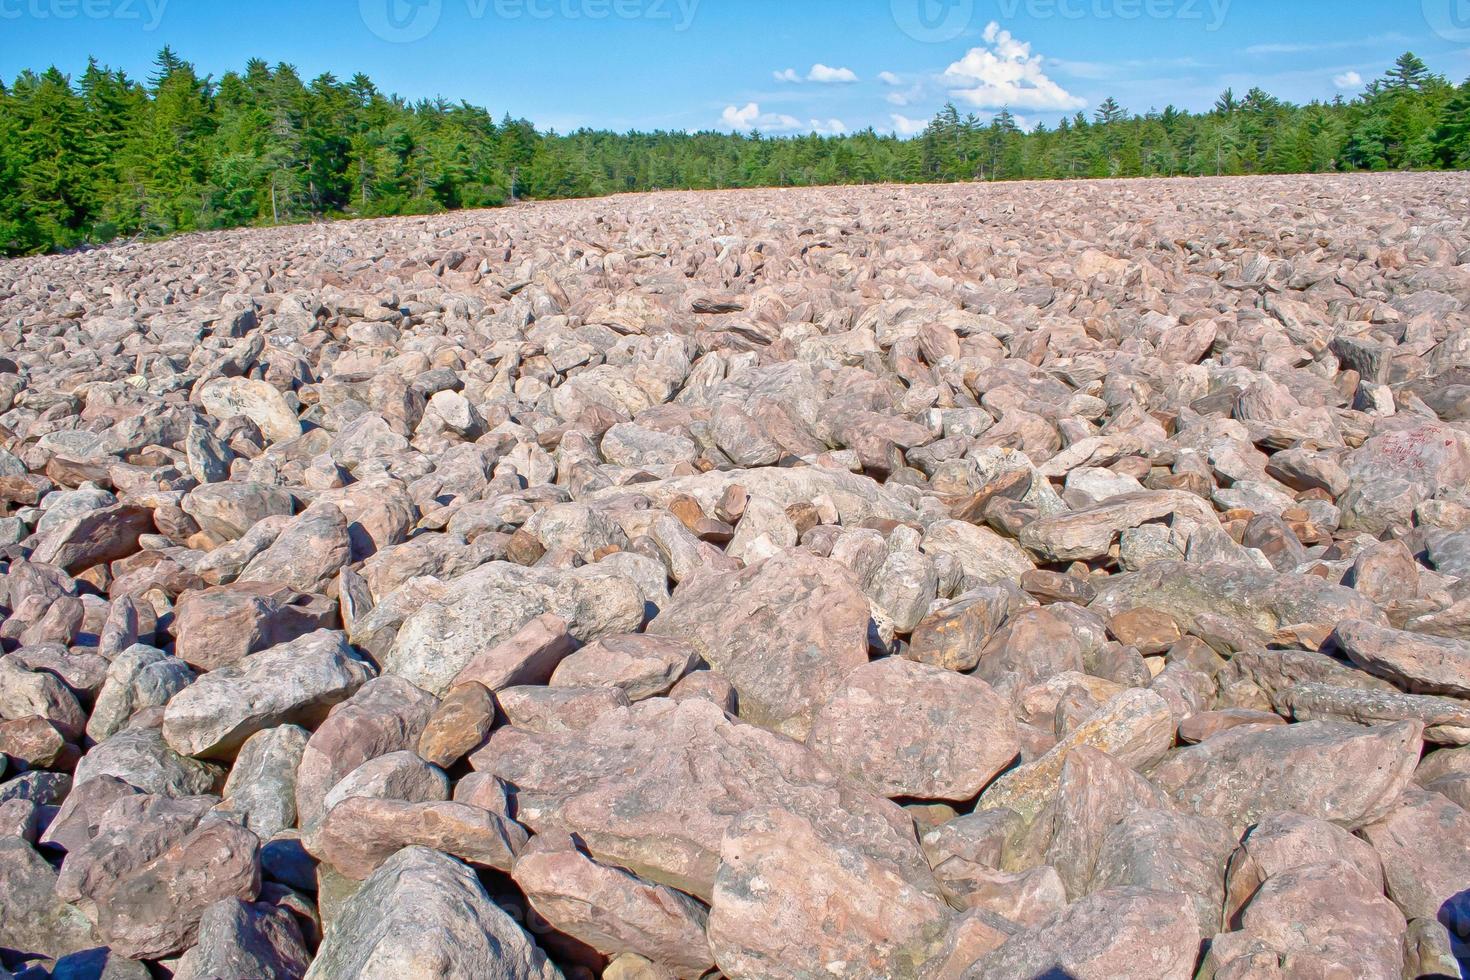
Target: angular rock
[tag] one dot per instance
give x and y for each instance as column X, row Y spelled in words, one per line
column 785, row 632
column 911, row 730
column 155, row 911
column 791, row 901
column 217, row 627
column 1346, row 774
column 1416, row 663
column 1286, row 609
column 139, row 677
column 36, row 921
column 480, row 610
column 1284, row 840
column 1095, row 794
column 1135, row 729
column 553, row 710
column 1424, row 861
column 360, row 833
column 293, row 683
column 386, row 715
column 261, row 403
column 240, row 939
column 1324, row 917
column 1115, row 932
column 424, row 914
column 643, row 666
column 261, row 788
column 614, row 911
column 529, row 656
column 654, row 787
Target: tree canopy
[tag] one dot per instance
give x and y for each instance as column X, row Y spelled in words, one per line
column 103, row 156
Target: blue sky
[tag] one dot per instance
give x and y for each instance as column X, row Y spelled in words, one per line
column 790, row 66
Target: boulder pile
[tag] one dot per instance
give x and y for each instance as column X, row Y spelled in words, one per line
column 1037, row 580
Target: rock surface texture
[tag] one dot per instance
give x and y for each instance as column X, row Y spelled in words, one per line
column 1026, row 580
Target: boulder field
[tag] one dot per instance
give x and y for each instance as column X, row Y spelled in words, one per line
column 986, row 581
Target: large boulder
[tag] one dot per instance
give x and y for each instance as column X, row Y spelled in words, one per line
column 295, row 683
column 613, row 910
column 794, row 899
column 424, row 914
column 1346, row 774
column 653, row 788
column 474, row 613
column 911, row 730
column 1117, row 932
column 786, row 632
column 1292, row 610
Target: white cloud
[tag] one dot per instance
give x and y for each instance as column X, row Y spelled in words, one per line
column 830, row 127
column 1006, row 73
column 750, row 117
column 1347, row 80
column 908, row 96
column 788, row 75
column 821, row 73
column 904, row 126
column 889, row 78
column 741, row 118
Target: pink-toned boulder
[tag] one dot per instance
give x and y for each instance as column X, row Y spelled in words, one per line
column 653, row 788
column 613, row 910
column 911, row 730
column 785, row 632
column 360, row 833
column 530, row 656
column 1346, row 774
column 792, row 899
column 643, row 666
column 387, row 714
column 1117, row 932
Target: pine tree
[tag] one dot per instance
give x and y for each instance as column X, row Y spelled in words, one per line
column 1408, row 72
column 1110, row 112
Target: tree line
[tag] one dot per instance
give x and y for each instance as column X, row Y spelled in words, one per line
column 104, row 156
